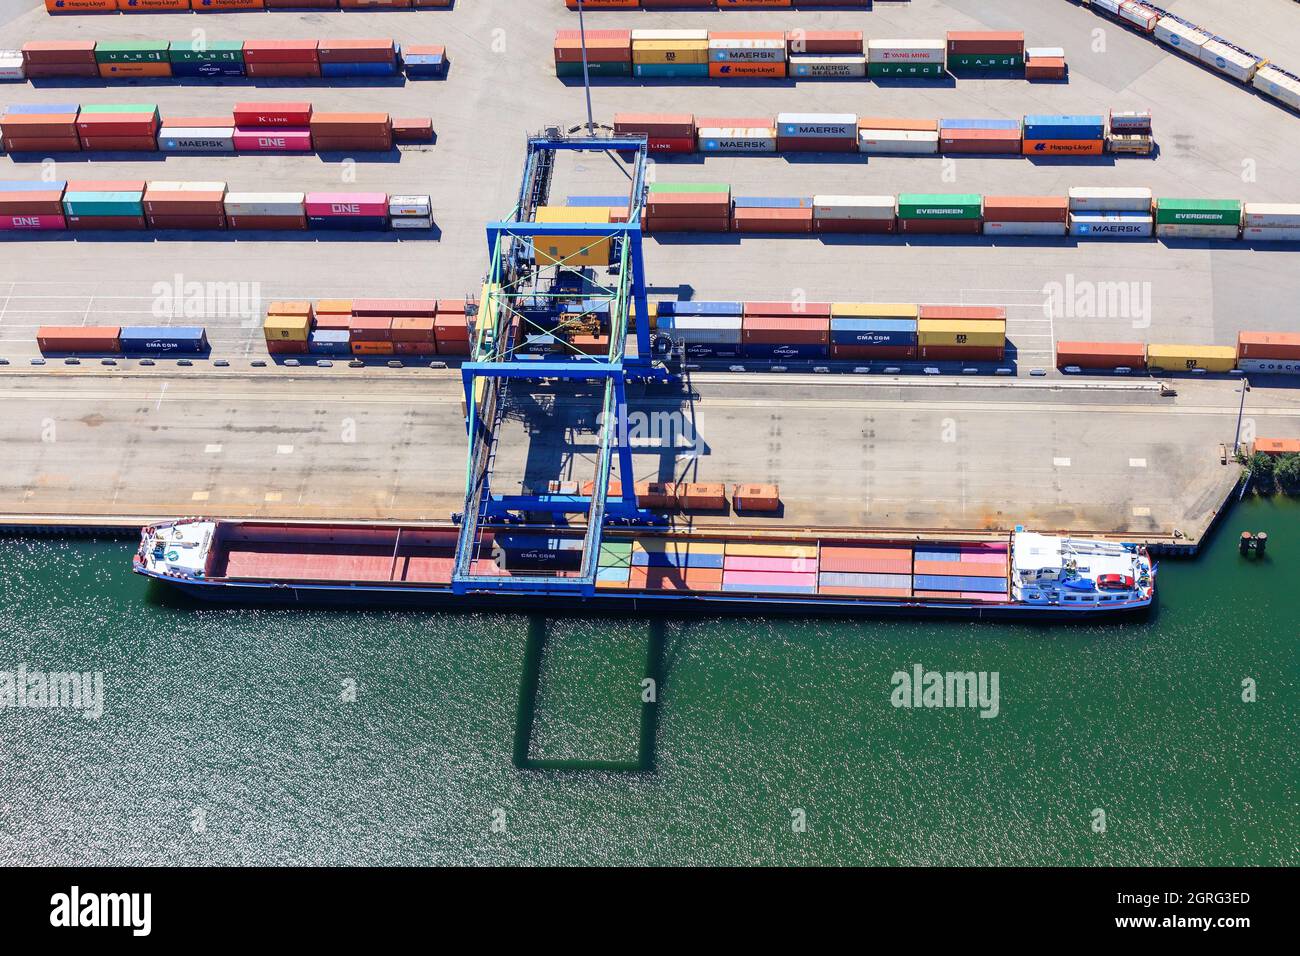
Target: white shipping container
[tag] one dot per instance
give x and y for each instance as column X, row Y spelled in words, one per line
column 185, row 187
column 1186, row 39
column 1111, row 225
column 754, row 139
column 1182, row 230
column 817, row 124
column 11, row 65
column 1240, row 66
column 1107, row 6
column 906, row 51
column 265, row 204
column 828, row 66
column 1277, row 84
column 1271, row 214
column 1045, row 53
column 751, row 50
column 699, row 329
column 1271, row 233
column 1024, row 228
column 853, row 207
column 1269, row 366
column 411, row 222
column 410, row 206
column 1111, row 198
column 185, row 139
column 1139, row 16
column 906, row 142
column 669, row 35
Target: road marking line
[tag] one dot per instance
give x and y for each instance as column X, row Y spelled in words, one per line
column 1061, row 462
column 212, row 449
column 272, row 496
column 199, row 496
column 1137, row 462
column 284, row 449
column 158, row 404
column 1141, row 512
column 5, row 307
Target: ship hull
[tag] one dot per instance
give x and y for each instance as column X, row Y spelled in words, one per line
column 359, row 597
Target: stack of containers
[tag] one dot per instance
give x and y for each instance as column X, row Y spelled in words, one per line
column 614, row 564
column 853, row 214
column 369, row 132
column 1026, row 215
column 676, row 564
column 197, row 134
column 410, row 212
column 1275, row 353
column 119, row 126
column 1109, row 212
column 746, row 55
column 206, row 57
column 104, row 204
column 1064, row 135
column 265, row 210
column 688, row 207
column 273, row 127
column 609, row 53
column 1198, row 218
column 40, row 129
column 826, row 54
column 365, row 57
column 1271, row 222
column 786, row 568
column 873, row 330
column 131, row 59
column 185, row 205
column 783, row 214
column 780, row 331
column 287, row 328
column 1192, row 358
column 1045, row 63
column 429, row 60
column 281, row 58
column 11, row 65
column 31, row 204
column 333, row 315
column 1101, row 355
column 370, row 331
column 885, row 136
column 664, row 132
column 575, row 251
column 865, row 570
column 347, row 211
column 972, row 572
column 817, row 132
column 43, row 59
column 910, row 58
column 1130, row 132
column 451, row 328
column 992, row 136
column 670, row 53
column 986, row 50
column 412, row 326
column 961, row 333
column 735, row 134
column 705, row 330
column 955, row 214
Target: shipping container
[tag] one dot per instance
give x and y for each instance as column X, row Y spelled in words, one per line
column 873, row 332
column 1271, row 215
column 164, row 340
column 887, row 142
column 737, row 140
column 994, row 227
column 1180, row 358
column 1181, row 36
column 758, row 498
column 822, row 66
column 278, row 140
column 1257, row 366
column 939, row 206
column 907, row 52
column 1111, row 199
column 1201, row 212
column 1101, row 354
column 84, row 339
column 826, row 206
column 1268, row 345
column 1196, row 231
column 196, row 140
column 957, row 333
column 1112, row 225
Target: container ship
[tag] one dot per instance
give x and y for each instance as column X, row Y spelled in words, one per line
column 1014, row 575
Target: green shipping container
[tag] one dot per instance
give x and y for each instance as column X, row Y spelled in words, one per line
column 906, row 69
column 131, row 51
column 690, row 188
column 986, row 61
column 120, row 108
column 214, row 51
column 597, row 69
column 103, row 204
column 940, row 206
column 1199, row 212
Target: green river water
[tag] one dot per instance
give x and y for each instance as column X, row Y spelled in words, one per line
column 229, row 735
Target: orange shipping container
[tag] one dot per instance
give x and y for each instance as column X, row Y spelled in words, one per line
column 1101, row 354
column 762, row 498
column 413, row 328
column 676, row 579
column 372, row 348
column 1278, row 446
column 705, row 497
column 1268, row 345
column 1063, row 147
column 653, row 494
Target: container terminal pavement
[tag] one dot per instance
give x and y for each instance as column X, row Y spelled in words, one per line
column 893, row 469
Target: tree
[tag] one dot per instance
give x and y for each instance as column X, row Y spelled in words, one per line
column 1262, row 468
column 1288, row 473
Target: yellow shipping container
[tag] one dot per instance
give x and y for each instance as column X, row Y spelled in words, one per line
column 984, row 333
column 287, row 328
column 1178, row 358
column 670, row 51
column 738, row 549
column 874, row 310
column 572, row 250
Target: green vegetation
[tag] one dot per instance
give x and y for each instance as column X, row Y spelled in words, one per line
column 1271, row 473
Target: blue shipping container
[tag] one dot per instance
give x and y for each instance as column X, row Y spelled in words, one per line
column 330, row 342
column 37, row 109
column 938, row 554
column 979, row 124
column 31, row 186
column 701, row 308
column 784, row 352
column 672, row 559
column 222, row 68
column 853, row 331
column 1066, row 119
column 953, row 582
column 597, row 201
column 711, row 350
column 358, row 69
column 163, row 339
column 671, row 69
column 772, row 202
column 770, row 588
column 347, row 223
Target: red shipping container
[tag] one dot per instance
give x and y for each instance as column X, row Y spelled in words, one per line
column 273, row 139
column 47, row 202
column 964, row 313
column 32, row 221
column 310, row 70
column 961, row 353
column 286, row 347
column 955, row 227
column 986, row 141
column 370, row 328
column 413, row 130
column 49, row 71
column 689, row 205
column 1046, row 68
column 687, row 224
column 106, row 222
column 1026, row 208
column 785, row 330
column 1101, row 354
column 41, row 144
column 194, row 221
column 279, row 51
column 668, row 125
column 1268, row 345
column 396, row 307
column 670, row 144
column 134, row 144
column 857, row 352
column 273, row 114
column 997, row 42
column 815, row 144
column 79, row 338
column 38, row 124
column 415, row 348
column 824, row 41
column 866, row 559
column 603, row 46
column 361, row 144
column 451, row 327
column 117, row 124
column 266, row 222
column 860, row 226
column 58, row 51
column 772, row 220
column 357, row 51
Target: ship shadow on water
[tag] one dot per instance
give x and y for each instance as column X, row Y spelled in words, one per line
column 529, row 687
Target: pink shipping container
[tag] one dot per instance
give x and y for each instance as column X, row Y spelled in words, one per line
column 347, row 204
column 867, row 559
column 33, row 222
column 273, row 140
column 770, row 578
column 777, row 565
